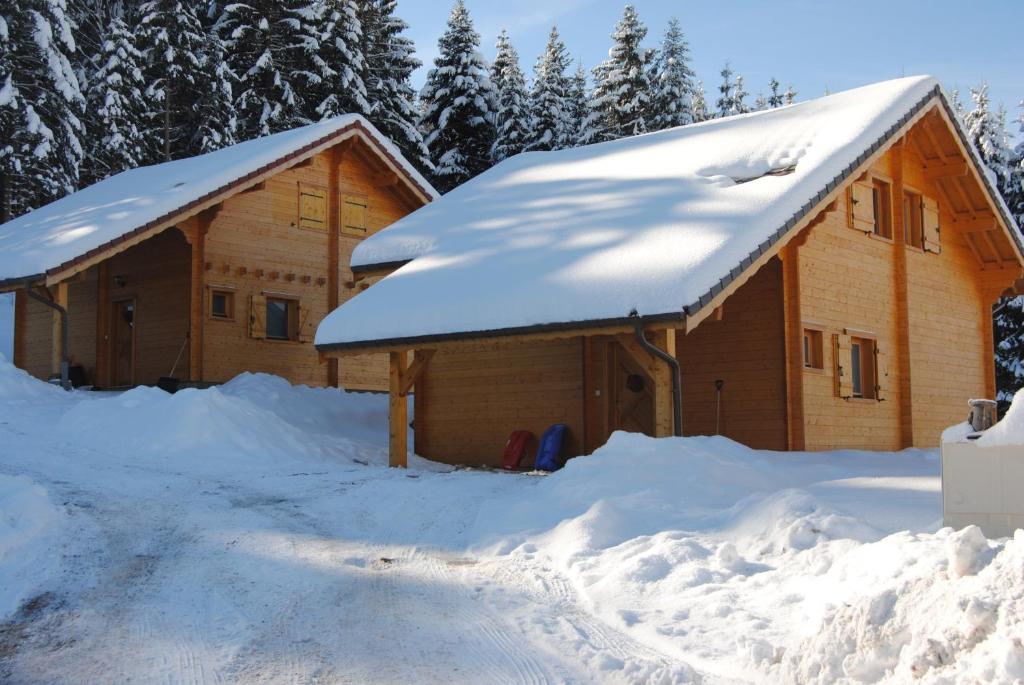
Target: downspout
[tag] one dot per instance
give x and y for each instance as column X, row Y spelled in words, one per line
column 65, row 361
column 677, row 377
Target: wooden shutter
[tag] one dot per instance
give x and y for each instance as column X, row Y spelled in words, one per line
column 306, row 328
column 881, row 374
column 312, row 207
column 258, row 317
column 353, row 215
column 930, row 224
column 861, row 199
column 843, row 365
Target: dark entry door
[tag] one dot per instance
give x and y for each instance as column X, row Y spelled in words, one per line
column 632, row 397
column 122, row 349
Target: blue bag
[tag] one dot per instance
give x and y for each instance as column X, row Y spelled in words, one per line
column 549, row 451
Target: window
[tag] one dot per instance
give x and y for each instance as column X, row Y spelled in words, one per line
column 857, row 366
column 312, row 207
column 282, row 319
column 913, row 231
column 813, row 352
column 222, row 304
column 881, row 199
column 353, row 215
column 862, row 371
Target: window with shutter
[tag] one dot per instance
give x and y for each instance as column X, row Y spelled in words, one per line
column 843, row 365
column 353, row 215
column 306, row 326
column 258, row 317
column 312, row 207
column 881, row 374
column 912, row 215
column 930, row 224
column 861, row 202
column 881, row 200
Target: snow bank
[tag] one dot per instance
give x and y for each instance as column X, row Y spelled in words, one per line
column 18, row 387
column 255, row 418
column 1010, row 430
column 29, row 525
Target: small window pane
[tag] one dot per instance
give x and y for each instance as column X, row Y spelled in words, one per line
column 855, row 372
column 813, row 353
column 219, row 306
column 277, row 319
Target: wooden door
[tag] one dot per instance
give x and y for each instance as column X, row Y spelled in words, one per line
column 631, row 396
column 122, row 347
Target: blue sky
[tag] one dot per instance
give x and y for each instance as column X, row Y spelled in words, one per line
column 815, row 44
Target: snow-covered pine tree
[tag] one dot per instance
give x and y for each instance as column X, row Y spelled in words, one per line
column 775, row 98
column 957, row 104
column 1009, row 313
column 987, row 130
column 760, row 102
column 579, row 105
column 549, row 127
column 622, row 87
column 390, row 61
column 171, row 37
column 789, row 95
column 700, row 103
column 672, row 81
column 268, row 43
column 512, row 118
column 458, row 103
column 41, row 106
column 117, row 109
column 739, row 97
column 725, row 104
column 216, row 120
column 333, row 49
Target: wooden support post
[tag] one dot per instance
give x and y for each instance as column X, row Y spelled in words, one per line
column 60, row 297
column 664, row 419
column 794, row 337
column 20, row 319
column 398, row 412
column 901, row 347
column 197, row 239
column 333, row 246
column 103, row 305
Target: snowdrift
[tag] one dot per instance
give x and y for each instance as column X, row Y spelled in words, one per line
column 29, row 526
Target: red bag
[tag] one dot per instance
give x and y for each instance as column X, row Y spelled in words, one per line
column 515, row 448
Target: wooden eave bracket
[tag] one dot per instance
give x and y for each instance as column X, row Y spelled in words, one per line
column 408, row 378
column 263, row 184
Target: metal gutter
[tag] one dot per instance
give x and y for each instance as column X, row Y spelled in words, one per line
column 379, row 266
column 677, row 378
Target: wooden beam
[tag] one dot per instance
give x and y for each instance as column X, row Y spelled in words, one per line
column 398, row 412
column 955, row 182
column 932, row 138
column 963, row 221
column 103, row 305
column 333, row 241
column 793, row 342
column 60, row 297
column 412, row 374
column 664, row 416
column 957, row 167
column 384, row 179
column 640, row 356
column 262, row 184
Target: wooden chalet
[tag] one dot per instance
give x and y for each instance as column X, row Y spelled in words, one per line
column 822, row 276
column 206, row 267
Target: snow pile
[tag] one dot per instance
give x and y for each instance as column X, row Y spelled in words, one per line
column 775, row 567
column 18, row 387
column 648, row 223
column 29, row 524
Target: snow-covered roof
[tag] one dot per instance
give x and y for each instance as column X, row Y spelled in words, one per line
column 90, row 219
column 650, row 225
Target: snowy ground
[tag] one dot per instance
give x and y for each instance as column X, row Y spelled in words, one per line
column 251, row 534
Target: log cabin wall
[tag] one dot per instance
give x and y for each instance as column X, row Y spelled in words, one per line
column 745, row 349
column 256, row 246
column 468, row 402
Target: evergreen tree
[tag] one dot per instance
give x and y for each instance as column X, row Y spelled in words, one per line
column 700, row 103
column 512, row 118
column 458, row 103
column 171, row 37
column 739, row 97
column 775, row 98
column 333, row 48
column 725, row 104
column 216, row 119
column 116, row 125
column 269, row 42
column 622, row 87
column 549, row 115
column 390, row 61
column 790, row 95
column 760, row 102
column 987, row 131
column 672, row 80
column 957, row 104
column 41, row 105
column 580, row 108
